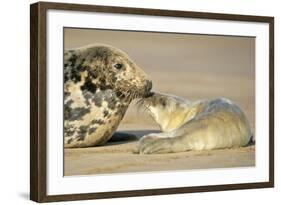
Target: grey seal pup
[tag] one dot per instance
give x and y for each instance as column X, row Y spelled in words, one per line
column 201, row 125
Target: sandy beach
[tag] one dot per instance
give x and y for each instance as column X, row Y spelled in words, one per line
column 191, row 66
column 121, row 157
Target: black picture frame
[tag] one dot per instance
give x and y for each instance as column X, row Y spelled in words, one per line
column 38, row 102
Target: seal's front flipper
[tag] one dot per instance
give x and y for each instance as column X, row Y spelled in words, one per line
column 122, row 136
column 155, row 143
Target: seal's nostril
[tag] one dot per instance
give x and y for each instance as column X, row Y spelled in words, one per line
column 149, row 94
column 148, row 85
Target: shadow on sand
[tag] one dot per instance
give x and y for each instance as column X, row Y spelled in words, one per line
column 125, row 136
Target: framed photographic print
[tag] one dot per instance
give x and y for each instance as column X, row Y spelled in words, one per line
column 134, row 102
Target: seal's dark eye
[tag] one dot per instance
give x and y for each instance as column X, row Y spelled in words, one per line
column 118, row 66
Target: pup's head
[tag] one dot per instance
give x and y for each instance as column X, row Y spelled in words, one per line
column 166, row 110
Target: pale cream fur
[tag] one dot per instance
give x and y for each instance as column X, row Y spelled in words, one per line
column 201, row 125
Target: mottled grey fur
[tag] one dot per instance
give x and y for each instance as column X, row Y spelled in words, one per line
column 99, row 84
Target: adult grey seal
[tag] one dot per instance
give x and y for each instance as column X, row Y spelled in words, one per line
column 100, row 81
column 201, row 125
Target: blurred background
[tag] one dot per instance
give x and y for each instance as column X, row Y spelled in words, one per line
column 192, row 66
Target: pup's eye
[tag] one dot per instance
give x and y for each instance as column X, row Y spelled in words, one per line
column 118, row 66
column 163, row 102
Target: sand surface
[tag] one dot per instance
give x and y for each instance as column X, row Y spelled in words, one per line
column 191, row 66
column 121, row 157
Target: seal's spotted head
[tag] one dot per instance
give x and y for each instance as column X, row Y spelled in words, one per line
column 123, row 74
column 105, row 67
column 99, row 84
